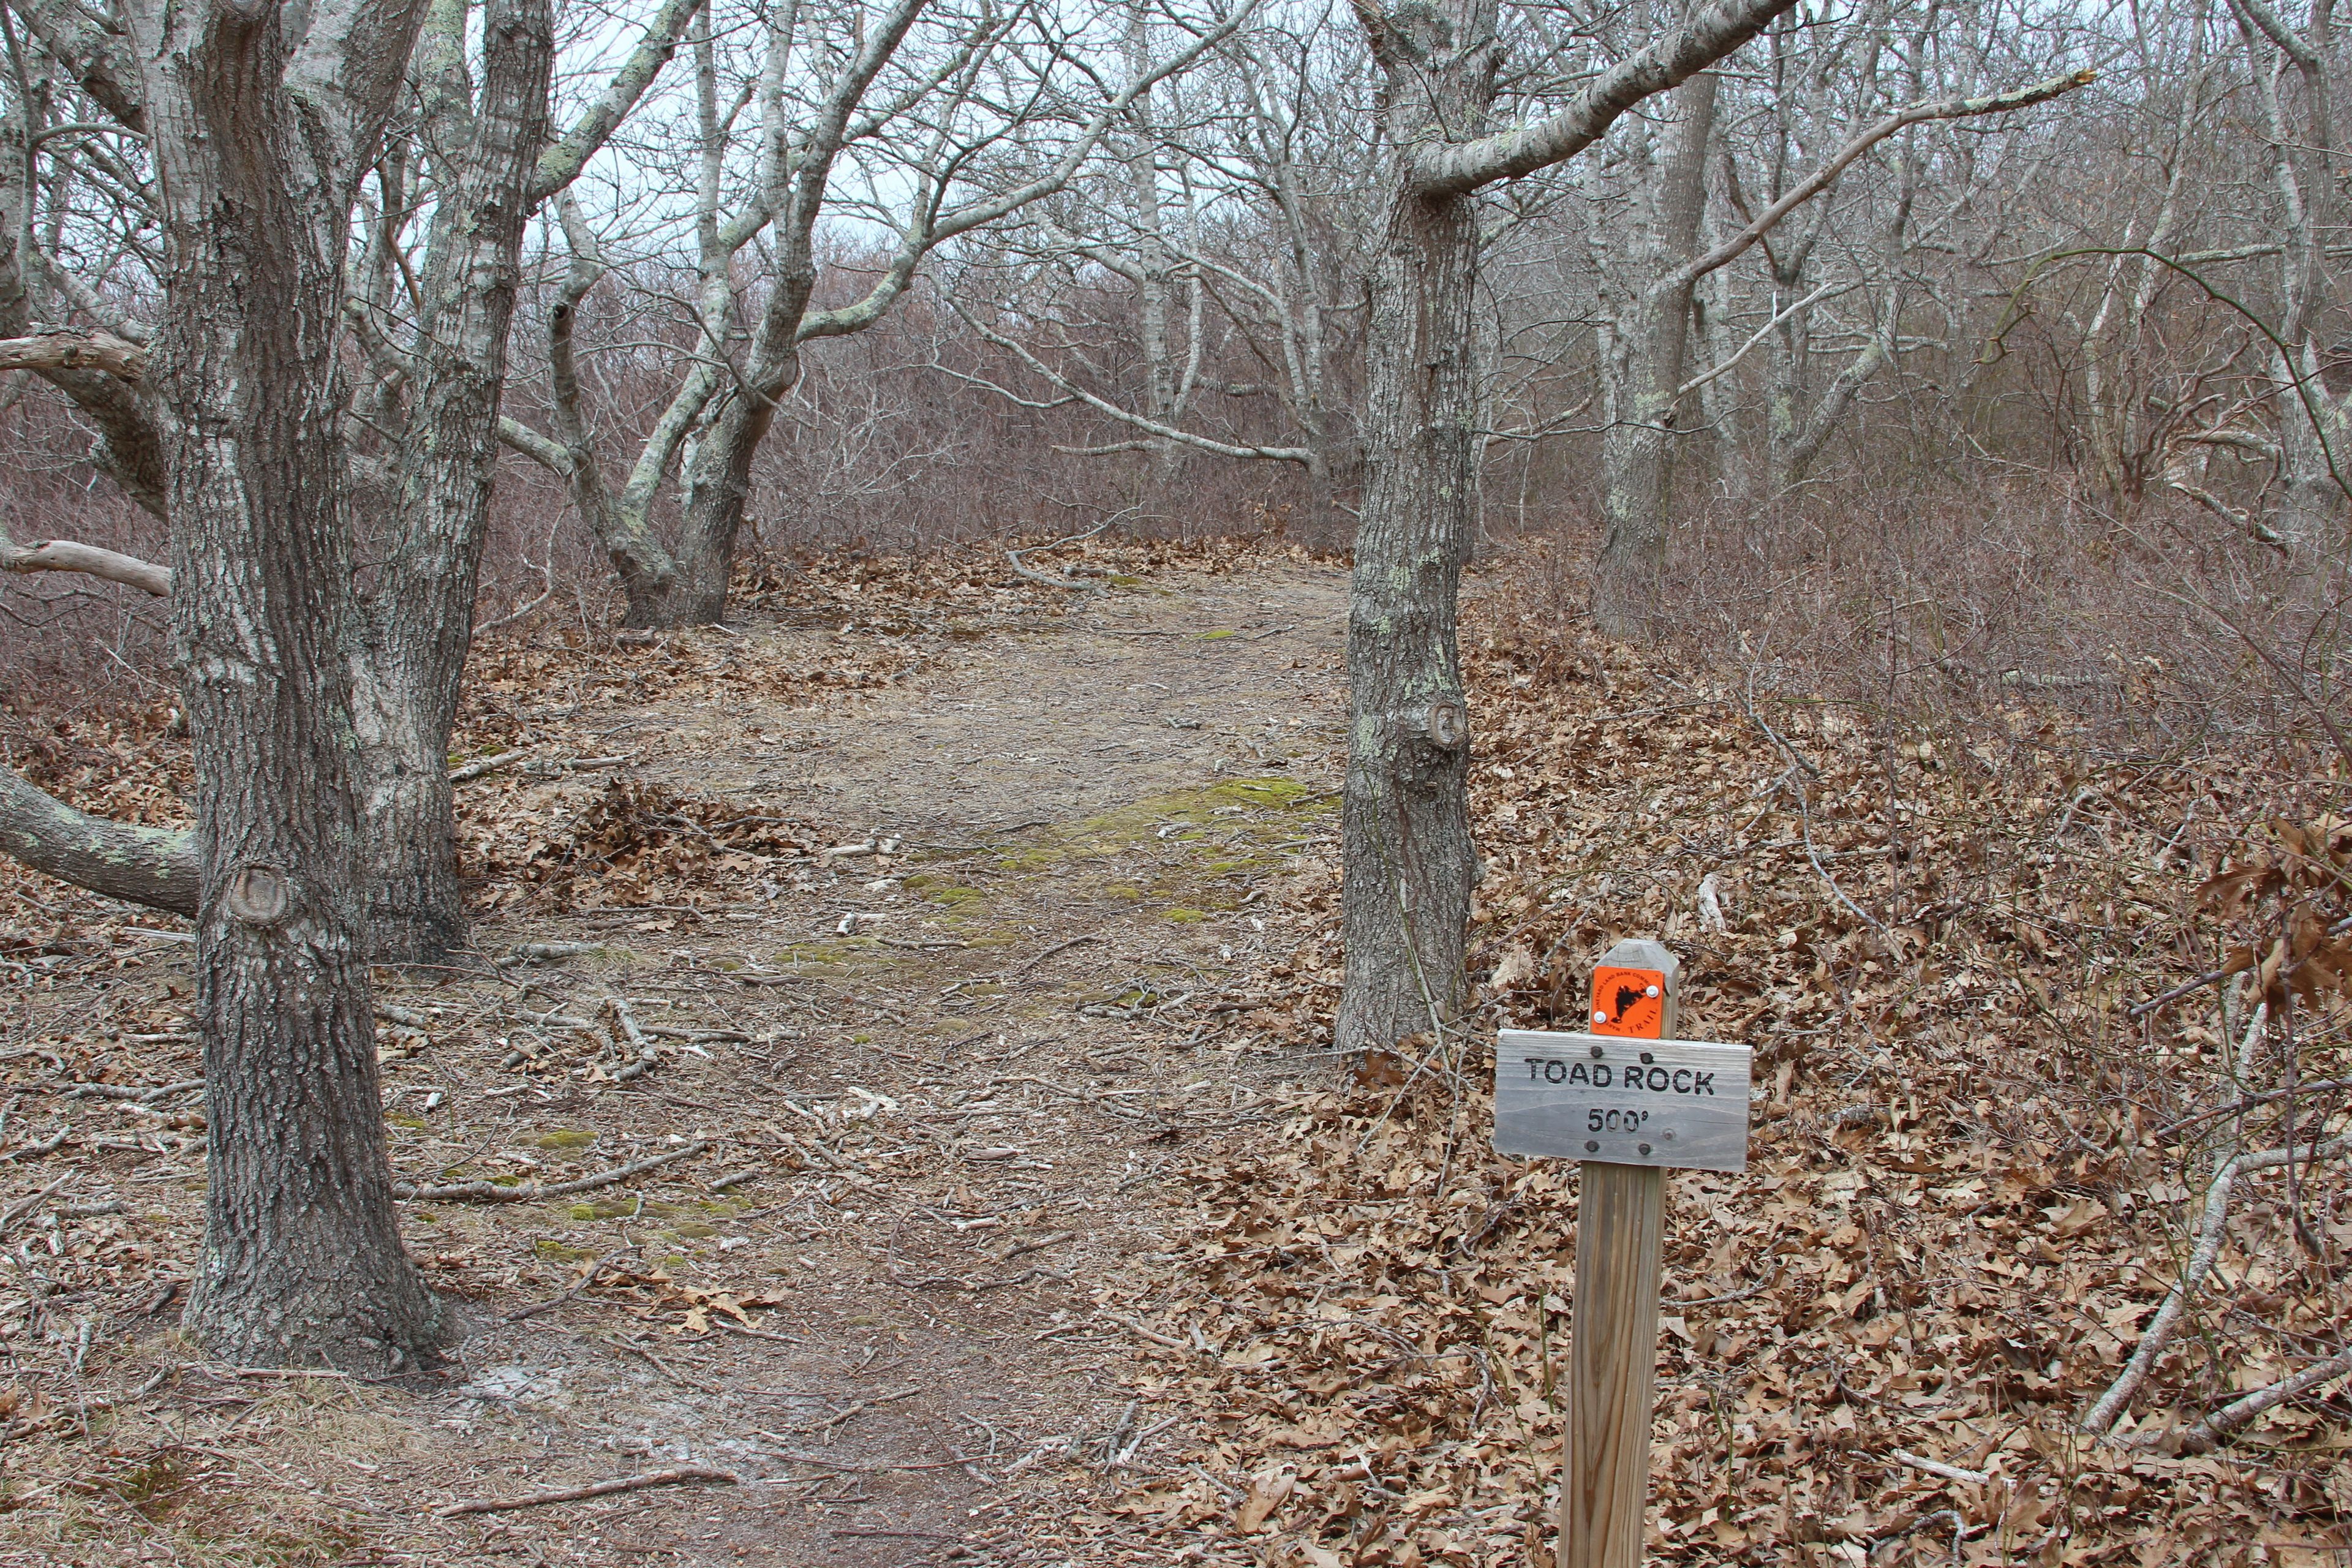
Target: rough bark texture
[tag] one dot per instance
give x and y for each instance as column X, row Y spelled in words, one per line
column 256, row 143
column 1405, row 828
column 717, row 484
column 419, row 622
column 1409, row 865
column 1637, row 451
column 152, row 865
column 2312, row 421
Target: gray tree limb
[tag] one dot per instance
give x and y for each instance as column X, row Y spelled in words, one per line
column 1825, row 177
column 562, row 163
column 155, row 867
column 65, row 555
column 1711, row 30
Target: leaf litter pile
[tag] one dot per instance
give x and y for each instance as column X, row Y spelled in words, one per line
column 2021, row 1270
column 2039, row 1258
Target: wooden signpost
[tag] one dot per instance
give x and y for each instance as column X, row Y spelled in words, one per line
column 1631, row 1101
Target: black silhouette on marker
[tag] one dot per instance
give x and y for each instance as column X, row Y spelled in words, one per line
column 1627, row 996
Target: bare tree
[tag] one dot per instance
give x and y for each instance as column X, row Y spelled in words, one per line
column 437, row 275
column 1236, row 313
column 1409, row 862
column 2295, row 70
column 1645, row 359
column 1645, row 344
column 943, row 136
column 480, row 161
column 261, row 137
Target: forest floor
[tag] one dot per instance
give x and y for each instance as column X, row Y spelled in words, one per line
column 932, row 1026
column 885, row 1122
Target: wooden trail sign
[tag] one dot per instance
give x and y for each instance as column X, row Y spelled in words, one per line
column 1631, row 1101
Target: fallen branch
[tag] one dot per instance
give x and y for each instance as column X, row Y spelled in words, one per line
column 1018, row 565
column 531, row 1192
column 2206, row 1435
column 28, row 1151
column 1013, row 556
column 677, row 1475
column 475, row 770
column 2211, row 1234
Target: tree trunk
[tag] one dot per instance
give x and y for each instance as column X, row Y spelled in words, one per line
column 1637, row 452
column 419, row 624
column 2313, row 426
column 717, row 486
column 1408, row 863
column 302, row 1261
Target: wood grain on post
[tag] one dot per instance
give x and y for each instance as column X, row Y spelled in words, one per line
column 1612, row 1371
column 1613, row 1366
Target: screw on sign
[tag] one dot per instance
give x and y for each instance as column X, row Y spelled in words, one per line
column 1631, row 1101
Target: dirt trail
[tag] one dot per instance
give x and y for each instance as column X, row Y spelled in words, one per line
column 941, row 1090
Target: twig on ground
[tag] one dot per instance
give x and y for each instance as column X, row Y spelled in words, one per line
column 840, row 1467
column 662, row 1367
column 23, row 1206
column 135, row 1093
column 1154, row 1335
column 531, row 1192
column 1037, row 1245
column 1058, row 947
column 585, row 1280
column 550, row 951
column 676, row 1475
column 1936, row 1468
column 286, row 1371
column 733, row 1327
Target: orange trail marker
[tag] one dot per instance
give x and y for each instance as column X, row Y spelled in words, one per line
column 1631, row 1003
